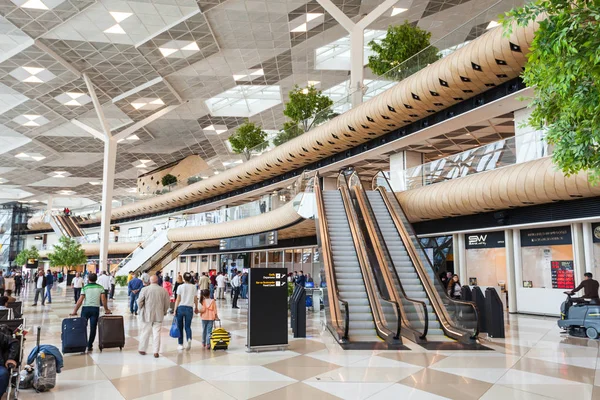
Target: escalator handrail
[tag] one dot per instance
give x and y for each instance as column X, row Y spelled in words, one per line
column 391, row 288
column 368, row 278
column 421, row 269
column 332, row 287
column 382, row 258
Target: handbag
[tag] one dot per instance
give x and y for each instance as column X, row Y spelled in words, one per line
column 174, row 332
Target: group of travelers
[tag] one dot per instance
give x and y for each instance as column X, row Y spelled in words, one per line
column 299, row 278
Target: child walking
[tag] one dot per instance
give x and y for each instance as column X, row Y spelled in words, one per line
column 208, row 313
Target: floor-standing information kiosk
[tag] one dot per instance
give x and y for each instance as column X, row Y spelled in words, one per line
column 267, row 309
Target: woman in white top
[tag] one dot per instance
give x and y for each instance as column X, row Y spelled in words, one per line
column 77, row 285
column 185, row 307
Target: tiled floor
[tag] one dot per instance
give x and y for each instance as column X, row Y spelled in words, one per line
column 533, row 362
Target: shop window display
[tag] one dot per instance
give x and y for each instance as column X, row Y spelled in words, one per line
column 541, row 250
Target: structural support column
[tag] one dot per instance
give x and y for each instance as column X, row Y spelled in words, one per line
column 588, row 247
column 108, row 179
column 357, row 42
column 578, row 252
column 518, row 268
column 511, row 283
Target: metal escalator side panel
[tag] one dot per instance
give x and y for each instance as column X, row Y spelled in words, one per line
column 439, row 301
column 376, row 307
column 336, row 308
column 407, row 305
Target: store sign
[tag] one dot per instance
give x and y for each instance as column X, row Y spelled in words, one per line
column 249, row 242
column 563, row 276
column 546, row 236
column 267, row 307
column 596, row 233
column 487, row 240
column 32, row 263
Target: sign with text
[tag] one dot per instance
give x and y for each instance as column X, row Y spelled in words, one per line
column 486, row 240
column 250, row 241
column 546, row 236
column 563, row 276
column 267, row 307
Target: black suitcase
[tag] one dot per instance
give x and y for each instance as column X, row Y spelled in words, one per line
column 111, row 332
column 74, row 335
column 44, row 372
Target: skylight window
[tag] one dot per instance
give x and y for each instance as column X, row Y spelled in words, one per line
column 179, row 49
column 307, row 22
column 336, row 55
column 244, row 100
column 118, row 17
column 30, row 74
column 30, row 120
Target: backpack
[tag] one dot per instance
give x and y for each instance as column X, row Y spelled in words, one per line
column 209, row 313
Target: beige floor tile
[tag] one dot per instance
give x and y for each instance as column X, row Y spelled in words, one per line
column 196, row 391
column 296, row 391
column 186, row 357
column 499, row 392
column 305, row 346
column 248, row 390
column 301, row 367
column 135, row 386
column 447, row 385
column 420, row 359
column 562, row 371
column 72, row 361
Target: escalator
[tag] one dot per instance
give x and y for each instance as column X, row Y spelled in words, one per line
column 154, row 254
column 357, row 313
column 415, row 276
column 66, row 226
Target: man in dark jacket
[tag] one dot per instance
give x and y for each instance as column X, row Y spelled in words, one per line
column 40, row 285
column 9, row 352
column 49, row 283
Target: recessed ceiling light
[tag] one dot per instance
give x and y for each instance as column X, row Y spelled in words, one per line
column 398, row 10
column 33, row 79
column 157, row 101
column 492, row 24
column 133, row 137
column 120, row 16
column 258, row 72
column 96, row 183
column 191, row 47
column 239, row 77
column 166, row 52
column 137, row 106
column 74, row 95
column 33, row 70
column 301, row 28
column 35, row 4
column 116, row 29
column 311, row 16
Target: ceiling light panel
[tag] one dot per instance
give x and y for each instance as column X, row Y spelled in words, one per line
column 307, row 22
column 244, row 100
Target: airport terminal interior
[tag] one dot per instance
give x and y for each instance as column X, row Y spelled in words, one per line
column 294, row 199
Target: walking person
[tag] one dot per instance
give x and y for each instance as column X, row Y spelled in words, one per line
column 185, row 307
column 49, row 282
column 213, row 285
column 93, row 296
column 18, row 284
column 236, row 284
column 245, row 285
column 454, row 288
column 220, row 285
column 112, row 286
column 153, row 304
column 40, row 285
column 178, row 283
column 203, row 282
column 133, row 287
column 77, row 284
column 104, row 281
column 208, row 314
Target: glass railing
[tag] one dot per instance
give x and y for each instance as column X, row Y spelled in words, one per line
column 502, row 153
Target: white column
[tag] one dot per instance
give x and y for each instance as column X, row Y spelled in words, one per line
column 511, row 283
column 462, row 259
column 588, row 247
column 399, row 163
column 50, row 202
column 357, row 41
column 578, row 252
column 518, row 260
column 108, row 179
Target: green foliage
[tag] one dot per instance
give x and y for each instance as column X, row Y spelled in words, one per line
column 564, row 69
column 168, row 180
column 290, row 289
column 67, row 253
column 193, row 179
column 399, row 44
column 26, row 254
column 307, row 108
column 247, row 136
column 121, row 280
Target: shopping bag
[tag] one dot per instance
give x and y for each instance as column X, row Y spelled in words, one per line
column 174, row 332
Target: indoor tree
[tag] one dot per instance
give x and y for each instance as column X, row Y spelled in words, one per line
column 67, row 253
column 168, row 180
column 247, row 136
column 400, row 43
column 27, row 254
column 563, row 67
column 306, row 108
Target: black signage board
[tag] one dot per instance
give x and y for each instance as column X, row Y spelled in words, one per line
column 596, row 232
column 267, row 307
column 485, row 240
column 546, row 236
column 251, row 241
column 32, row 263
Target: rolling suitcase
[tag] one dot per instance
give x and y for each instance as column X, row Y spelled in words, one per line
column 111, row 332
column 44, row 372
column 219, row 338
column 74, row 335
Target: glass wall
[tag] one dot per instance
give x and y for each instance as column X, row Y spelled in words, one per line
column 485, row 259
column 440, row 252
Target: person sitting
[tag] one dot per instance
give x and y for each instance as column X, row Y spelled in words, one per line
column 3, row 302
column 9, row 353
column 8, row 293
column 590, row 289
